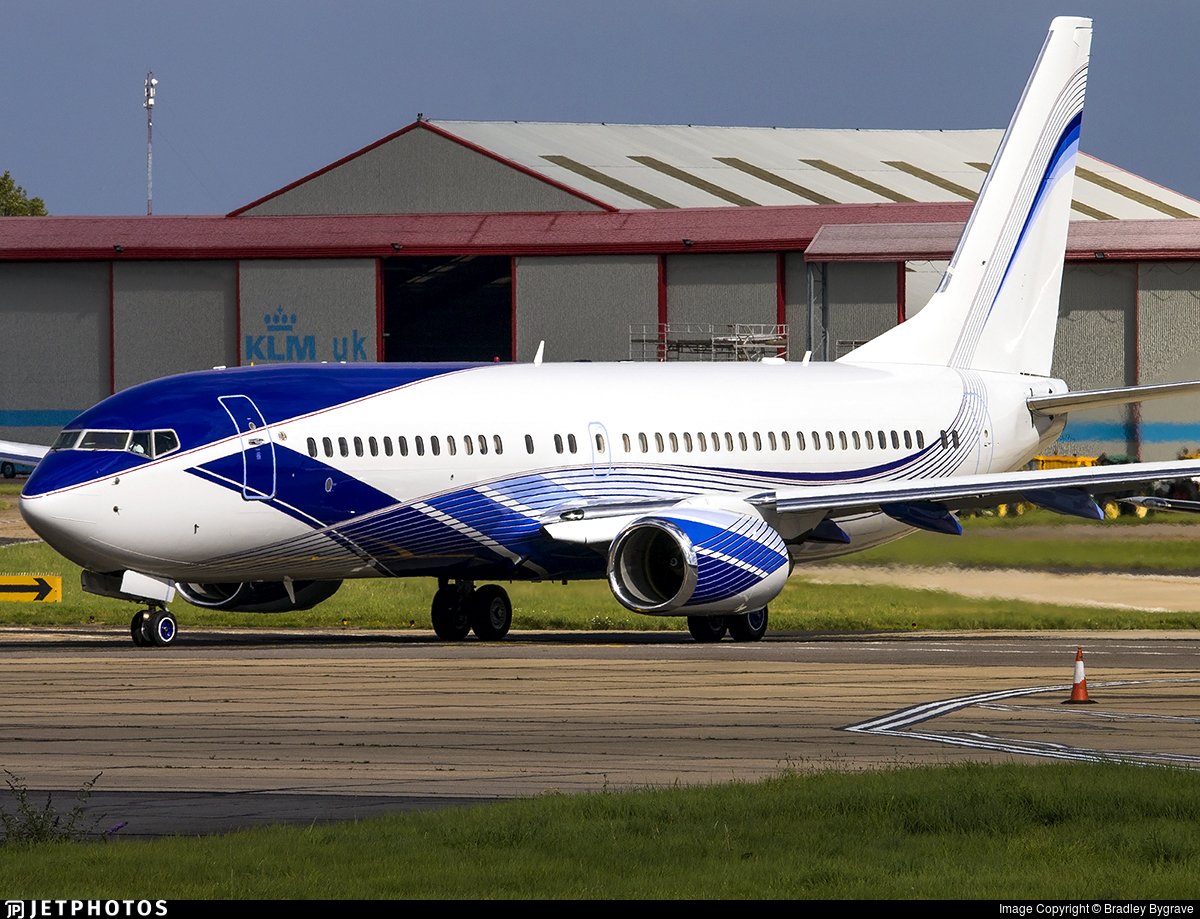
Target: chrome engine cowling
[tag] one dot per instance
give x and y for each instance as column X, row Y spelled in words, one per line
column 694, row 561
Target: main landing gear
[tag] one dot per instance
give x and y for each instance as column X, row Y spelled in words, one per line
column 749, row 627
column 153, row 627
column 459, row 608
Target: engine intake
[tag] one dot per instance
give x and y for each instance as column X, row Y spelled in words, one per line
column 697, row 561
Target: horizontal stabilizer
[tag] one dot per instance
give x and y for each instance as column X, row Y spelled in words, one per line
column 1101, row 398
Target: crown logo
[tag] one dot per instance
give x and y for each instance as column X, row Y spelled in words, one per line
column 280, row 321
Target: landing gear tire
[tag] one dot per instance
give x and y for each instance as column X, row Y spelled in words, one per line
column 449, row 614
column 750, row 627
column 8, row 470
column 706, row 628
column 491, row 612
column 162, row 629
column 139, row 629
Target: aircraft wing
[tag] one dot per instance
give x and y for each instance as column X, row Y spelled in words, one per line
column 1053, row 488
column 22, row 454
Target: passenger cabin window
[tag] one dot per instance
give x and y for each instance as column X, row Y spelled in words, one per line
column 450, row 447
column 435, row 446
column 469, row 445
column 387, row 446
column 419, row 443
column 658, row 442
column 829, row 439
column 327, row 444
column 842, row 440
column 373, row 446
column 571, row 444
column 920, row 440
column 895, row 441
column 528, row 444
column 358, row 446
column 312, row 447
column 742, row 441
column 343, row 446
column 643, row 443
column 787, row 440
column 857, row 442
column 402, row 445
column 499, row 444
column 483, row 445
column 627, row 444
column 599, row 442
column 870, row 441
column 907, row 440
column 558, row 443
column 728, row 441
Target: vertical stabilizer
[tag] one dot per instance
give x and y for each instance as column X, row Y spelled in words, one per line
column 997, row 305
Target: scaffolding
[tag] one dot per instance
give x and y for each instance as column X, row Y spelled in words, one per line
column 683, row 341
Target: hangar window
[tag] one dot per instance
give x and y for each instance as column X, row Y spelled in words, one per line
column 312, row 447
column 402, row 445
column 499, row 444
column 528, row 444
column 343, row 446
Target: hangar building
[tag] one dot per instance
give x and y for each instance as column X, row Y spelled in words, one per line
column 478, row 240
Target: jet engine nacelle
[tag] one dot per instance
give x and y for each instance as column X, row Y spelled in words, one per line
column 693, row 561
column 257, row 596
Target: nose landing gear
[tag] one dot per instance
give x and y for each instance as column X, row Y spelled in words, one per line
column 153, row 627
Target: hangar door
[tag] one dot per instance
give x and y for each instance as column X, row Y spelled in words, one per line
column 456, row 308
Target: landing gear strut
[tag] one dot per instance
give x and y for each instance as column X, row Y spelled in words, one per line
column 458, row 608
column 153, row 627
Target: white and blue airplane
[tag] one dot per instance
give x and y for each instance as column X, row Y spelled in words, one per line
column 18, row 457
column 694, row 488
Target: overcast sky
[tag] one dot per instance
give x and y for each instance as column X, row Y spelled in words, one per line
column 255, row 94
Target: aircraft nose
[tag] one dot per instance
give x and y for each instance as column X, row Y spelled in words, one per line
column 68, row 524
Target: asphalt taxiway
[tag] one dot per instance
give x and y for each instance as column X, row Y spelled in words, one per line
column 236, row 728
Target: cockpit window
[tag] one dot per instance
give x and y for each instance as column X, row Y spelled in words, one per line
column 103, row 440
column 140, row 443
column 165, row 442
column 143, row 443
column 65, row 440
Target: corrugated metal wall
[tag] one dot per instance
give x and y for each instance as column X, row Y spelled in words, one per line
column 583, row 306
column 321, row 310
column 862, row 303
column 1094, row 349
column 421, row 173
column 172, row 317
column 54, row 353
column 796, row 293
column 721, row 290
column 1169, row 350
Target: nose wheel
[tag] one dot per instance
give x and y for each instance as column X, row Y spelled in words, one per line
column 153, row 628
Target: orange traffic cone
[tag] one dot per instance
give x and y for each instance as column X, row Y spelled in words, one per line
column 1079, row 694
